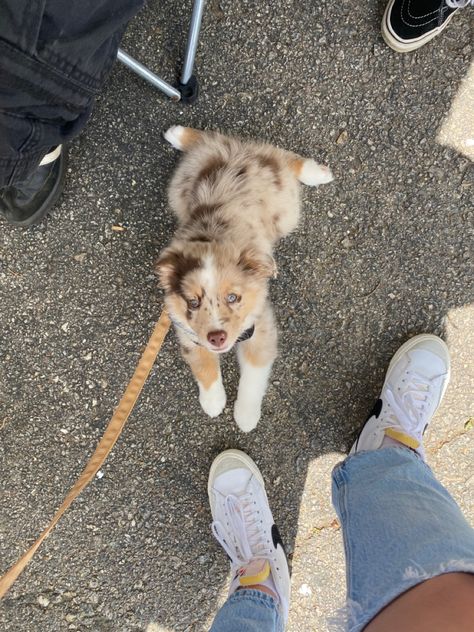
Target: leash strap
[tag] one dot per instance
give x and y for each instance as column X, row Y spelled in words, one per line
column 105, row 445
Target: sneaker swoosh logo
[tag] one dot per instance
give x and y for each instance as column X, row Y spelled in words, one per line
column 276, row 537
column 375, row 412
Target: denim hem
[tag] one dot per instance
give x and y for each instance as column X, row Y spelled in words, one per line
column 249, row 610
column 15, row 170
column 359, row 454
column 256, row 596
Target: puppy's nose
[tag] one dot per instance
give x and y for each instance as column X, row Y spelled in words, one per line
column 217, row 338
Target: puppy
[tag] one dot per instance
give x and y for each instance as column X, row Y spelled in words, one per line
column 234, row 200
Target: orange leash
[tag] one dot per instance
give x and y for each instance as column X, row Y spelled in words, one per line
column 105, row 445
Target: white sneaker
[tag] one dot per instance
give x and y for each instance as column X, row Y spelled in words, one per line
column 244, row 527
column 414, row 386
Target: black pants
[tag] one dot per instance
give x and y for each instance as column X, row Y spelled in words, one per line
column 54, row 57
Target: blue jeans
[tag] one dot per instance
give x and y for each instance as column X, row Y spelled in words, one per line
column 400, row 527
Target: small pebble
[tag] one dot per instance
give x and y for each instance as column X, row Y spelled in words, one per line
column 304, row 368
column 305, row 590
column 300, row 462
column 43, row 601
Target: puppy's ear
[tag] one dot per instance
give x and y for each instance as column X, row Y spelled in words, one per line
column 165, row 268
column 259, row 264
column 171, row 268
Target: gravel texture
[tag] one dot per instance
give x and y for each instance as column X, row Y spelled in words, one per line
column 382, row 253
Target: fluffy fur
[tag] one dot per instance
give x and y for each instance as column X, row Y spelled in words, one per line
column 234, row 200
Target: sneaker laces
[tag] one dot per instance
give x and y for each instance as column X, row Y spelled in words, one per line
column 409, row 408
column 459, row 4
column 247, row 543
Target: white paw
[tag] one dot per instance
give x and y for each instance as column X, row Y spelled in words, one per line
column 246, row 414
column 213, row 399
column 174, row 135
column 313, row 174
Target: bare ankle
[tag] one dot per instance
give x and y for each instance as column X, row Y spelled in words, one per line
column 261, row 588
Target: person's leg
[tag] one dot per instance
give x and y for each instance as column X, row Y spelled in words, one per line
column 248, row 611
column 442, row 604
column 400, row 526
column 243, row 524
column 409, row 24
column 54, row 57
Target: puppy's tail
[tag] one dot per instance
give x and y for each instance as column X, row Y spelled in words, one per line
column 309, row 172
column 183, row 138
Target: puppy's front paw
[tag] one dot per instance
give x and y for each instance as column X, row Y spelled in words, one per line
column 246, row 414
column 212, row 399
column 174, row 135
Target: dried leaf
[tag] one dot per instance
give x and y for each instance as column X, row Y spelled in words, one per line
column 342, row 138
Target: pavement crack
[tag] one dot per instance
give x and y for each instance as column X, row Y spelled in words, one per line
column 333, row 525
column 448, row 440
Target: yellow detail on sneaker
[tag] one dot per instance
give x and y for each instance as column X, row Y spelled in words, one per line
column 250, row 580
column 402, row 438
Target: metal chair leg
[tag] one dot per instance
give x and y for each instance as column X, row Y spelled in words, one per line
column 149, row 76
column 193, row 39
column 188, row 89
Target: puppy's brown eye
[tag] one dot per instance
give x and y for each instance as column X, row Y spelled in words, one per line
column 194, row 303
column 231, row 298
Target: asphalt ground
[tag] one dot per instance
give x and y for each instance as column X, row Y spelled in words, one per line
column 382, row 253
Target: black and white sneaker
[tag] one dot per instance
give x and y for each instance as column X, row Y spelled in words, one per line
column 409, row 24
column 27, row 202
column 244, row 527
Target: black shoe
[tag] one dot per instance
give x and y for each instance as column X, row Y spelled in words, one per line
column 29, row 201
column 409, row 24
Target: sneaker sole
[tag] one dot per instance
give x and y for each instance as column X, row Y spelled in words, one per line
column 246, row 461
column 413, row 342
column 401, row 46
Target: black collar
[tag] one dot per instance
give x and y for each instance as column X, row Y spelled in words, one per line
column 248, row 333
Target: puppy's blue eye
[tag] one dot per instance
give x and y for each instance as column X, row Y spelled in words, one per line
column 231, row 298
column 194, row 303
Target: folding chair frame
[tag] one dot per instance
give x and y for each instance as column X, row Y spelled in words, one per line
column 187, row 90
